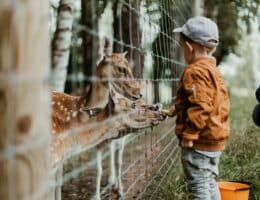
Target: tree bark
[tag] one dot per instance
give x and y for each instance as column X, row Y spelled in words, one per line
column 61, row 44
column 167, row 56
column 24, row 100
column 197, row 9
column 89, row 18
column 127, row 30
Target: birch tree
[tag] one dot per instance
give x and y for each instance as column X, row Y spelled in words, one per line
column 61, row 44
column 24, row 100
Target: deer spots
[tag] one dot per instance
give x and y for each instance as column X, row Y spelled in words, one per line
column 24, row 123
column 74, row 114
column 68, row 118
column 56, row 143
column 61, row 107
column 71, row 111
column 67, row 114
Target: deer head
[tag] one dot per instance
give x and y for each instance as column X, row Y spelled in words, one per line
column 141, row 115
column 112, row 70
column 122, row 90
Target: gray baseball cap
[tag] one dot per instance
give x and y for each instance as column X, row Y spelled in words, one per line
column 201, row 30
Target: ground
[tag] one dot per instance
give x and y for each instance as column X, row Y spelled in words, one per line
column 147, row 153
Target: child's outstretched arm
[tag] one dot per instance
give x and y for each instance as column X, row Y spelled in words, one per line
column 171, row 112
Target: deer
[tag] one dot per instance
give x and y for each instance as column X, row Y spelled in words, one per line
column 103, row 98
column 71, row 110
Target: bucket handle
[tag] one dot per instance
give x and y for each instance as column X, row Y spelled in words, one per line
column 249, row 186
column 242, row 189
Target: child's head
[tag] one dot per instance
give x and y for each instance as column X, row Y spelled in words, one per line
column 198, row 38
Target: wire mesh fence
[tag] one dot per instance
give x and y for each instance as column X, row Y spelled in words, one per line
column 144, row 29
column 98, row 159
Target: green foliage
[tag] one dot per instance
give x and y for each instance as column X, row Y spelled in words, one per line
column 248, row 9
column 174, row 187
column 241, row 159
column 230, row 15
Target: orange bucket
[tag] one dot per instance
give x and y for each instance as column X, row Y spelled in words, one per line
column 234, row 190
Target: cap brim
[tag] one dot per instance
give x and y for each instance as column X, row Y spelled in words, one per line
column 178, row 30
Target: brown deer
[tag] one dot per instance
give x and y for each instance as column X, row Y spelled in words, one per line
column 114, row 92
column 68, row 111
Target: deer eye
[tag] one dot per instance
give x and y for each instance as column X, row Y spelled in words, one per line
column 122, row 70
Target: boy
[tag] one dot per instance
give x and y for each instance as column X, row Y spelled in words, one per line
column 202, row 108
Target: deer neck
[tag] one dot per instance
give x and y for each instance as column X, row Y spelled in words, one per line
column 98, row 95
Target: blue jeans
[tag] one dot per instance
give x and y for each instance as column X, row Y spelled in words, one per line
column 201, row 169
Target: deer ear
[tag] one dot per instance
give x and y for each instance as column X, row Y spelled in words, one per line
column 106, row 47
column 107, row 58
column 125, row 53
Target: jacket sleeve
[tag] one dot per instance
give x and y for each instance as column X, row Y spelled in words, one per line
column 200, row 90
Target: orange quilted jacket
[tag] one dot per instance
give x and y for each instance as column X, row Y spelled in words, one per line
column 202, row 106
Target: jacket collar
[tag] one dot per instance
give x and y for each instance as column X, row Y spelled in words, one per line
column 211, row 60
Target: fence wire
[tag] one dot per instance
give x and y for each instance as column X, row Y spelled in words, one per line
column 154, row 55
column 144, row 29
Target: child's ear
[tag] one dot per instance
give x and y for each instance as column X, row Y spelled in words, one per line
column 189, row 46
column 213, row 51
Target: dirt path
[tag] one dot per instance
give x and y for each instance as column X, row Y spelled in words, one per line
column 144, row 155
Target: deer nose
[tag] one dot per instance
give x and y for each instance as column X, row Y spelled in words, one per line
column 140, row 95
column 157, row 107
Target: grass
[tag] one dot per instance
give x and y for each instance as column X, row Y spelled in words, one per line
column 239, row 162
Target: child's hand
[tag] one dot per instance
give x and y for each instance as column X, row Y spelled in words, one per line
column 170, row 112
column 186, row 143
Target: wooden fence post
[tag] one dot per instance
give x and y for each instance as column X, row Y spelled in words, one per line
column 24, row 100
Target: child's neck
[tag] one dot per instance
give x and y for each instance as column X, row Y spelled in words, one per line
column 201, row 55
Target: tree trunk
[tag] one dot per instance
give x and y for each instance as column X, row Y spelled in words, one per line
column 24, row 100
column 84, row 57
column 127, row 30
column 89, row 18
column 61, row 44
column 160, row 49
column 197, row 9
column 167, row 58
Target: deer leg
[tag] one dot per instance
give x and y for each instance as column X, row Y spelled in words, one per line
column 99, row 175
column 120, row 165
column 58, row 180
column 112, row 177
